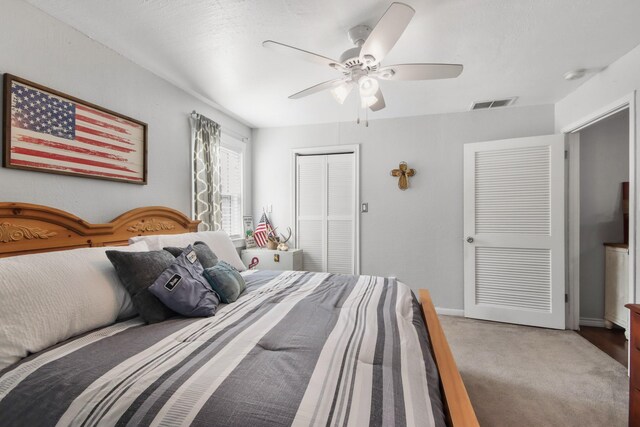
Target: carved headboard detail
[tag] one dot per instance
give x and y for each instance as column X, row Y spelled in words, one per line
column 26, row 228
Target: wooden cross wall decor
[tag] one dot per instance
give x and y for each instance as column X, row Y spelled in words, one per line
column 403, row 173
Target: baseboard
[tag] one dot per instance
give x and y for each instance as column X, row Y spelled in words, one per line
column 590, row 321
column 450, row 311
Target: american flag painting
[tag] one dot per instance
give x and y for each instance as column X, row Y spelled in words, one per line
column 55, row 134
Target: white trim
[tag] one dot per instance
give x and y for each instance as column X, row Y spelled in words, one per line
column 333, row 149
column 450, row 312
column 626, row 102
column 590, row 321
column 192, row 156
column 232, row 143
column 634, row 288
column 349, row 148
column 573, row 231
column 600, row 114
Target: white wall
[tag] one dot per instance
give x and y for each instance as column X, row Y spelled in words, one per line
column 604, row 165
column 39, row 48
column 416, row 234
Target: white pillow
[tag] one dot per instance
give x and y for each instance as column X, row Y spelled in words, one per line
column 218, row 241
column 50, row 297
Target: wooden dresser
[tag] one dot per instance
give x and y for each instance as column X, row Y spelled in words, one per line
column 634, row 365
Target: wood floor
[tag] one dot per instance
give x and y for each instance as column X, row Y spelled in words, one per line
column 611, row 341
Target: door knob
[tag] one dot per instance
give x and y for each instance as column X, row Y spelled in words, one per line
column 469, row 239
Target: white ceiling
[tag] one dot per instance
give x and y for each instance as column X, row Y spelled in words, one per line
column 213, row 48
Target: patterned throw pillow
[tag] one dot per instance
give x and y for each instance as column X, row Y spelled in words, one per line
column 204, row 253
column 226, row 281
column 183, row 288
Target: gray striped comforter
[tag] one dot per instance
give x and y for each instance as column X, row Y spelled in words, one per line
column 296, row 349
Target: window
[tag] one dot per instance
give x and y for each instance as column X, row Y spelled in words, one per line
column 231, row 189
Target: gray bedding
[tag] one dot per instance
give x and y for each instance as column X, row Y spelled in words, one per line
column 296, row 348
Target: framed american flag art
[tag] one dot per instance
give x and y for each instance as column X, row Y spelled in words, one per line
column 49, row 131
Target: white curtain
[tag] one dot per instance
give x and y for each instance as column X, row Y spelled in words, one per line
column 205, row 147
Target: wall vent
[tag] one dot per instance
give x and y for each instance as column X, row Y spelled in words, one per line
column 496, row 103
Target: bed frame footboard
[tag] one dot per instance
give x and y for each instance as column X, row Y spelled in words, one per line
column 458, row 408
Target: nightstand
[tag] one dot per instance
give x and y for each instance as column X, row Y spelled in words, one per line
column 267, row 259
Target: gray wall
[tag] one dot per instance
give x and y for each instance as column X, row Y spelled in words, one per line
column 39, row 48
column 604, row 165
column 415, row 235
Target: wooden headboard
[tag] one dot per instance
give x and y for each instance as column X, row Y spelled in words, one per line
column 26, row 228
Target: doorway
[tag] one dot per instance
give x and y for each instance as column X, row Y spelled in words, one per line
column 604, row 227
column 601, row 157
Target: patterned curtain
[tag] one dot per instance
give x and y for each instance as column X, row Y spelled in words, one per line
column 205, row 146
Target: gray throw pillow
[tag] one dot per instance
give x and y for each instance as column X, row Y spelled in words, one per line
column 137, row 271
column 183, row 288
column 204, row 253
column 226, row 281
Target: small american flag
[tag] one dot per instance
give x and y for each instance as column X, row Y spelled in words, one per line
column 262, row 231
column 52, row 133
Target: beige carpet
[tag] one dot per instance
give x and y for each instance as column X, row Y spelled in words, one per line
column 522, row 376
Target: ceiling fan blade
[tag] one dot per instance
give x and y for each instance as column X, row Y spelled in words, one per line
column 420, row 71
column 318, row 88
column 301, row 54
column 379, row 104
column 386, row 33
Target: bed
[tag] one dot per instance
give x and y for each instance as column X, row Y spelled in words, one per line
column 297, row 348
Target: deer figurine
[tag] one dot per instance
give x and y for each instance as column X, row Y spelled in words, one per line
column 282, row 243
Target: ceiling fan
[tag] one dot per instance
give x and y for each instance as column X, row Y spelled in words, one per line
column 361, row 66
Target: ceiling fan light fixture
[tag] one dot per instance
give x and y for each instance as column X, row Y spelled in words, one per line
column 341, row 92
column 368, row 86
column 368, row 101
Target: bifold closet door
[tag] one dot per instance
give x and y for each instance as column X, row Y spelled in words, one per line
column 311, row 190
column 325, row 211
column 340, row 213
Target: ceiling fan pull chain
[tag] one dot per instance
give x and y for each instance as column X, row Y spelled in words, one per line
column 366, row 117
column 358, row 120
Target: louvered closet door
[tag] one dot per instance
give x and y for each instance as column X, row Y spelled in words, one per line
column 311, row 190
column 514, row 231
column 326, row 212
column 340, row 213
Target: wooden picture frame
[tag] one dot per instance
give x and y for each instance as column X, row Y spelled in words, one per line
column 45, row 130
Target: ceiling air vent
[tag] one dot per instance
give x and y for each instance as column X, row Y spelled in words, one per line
column 485, row 105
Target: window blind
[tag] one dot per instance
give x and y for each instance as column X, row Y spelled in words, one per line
column 231, row 191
